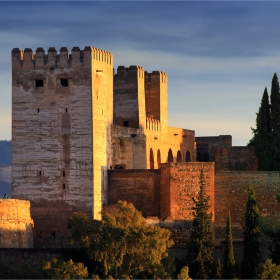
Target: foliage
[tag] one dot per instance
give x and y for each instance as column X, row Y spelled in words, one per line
column 14, row 269
column 184, row 274
column 229, row 271
column 201, row 246
column 266, row 136
column 268, row 270
column 262, row 134
column 58, row 269
column 251, row 254
column 275, row 122
column 124, row 243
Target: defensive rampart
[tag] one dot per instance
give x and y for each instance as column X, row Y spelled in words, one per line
column 16, row 225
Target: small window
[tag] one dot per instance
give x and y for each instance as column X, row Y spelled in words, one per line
column 64, row 186
column 64, row 82
column 40, row 173
column 38, row 110
column 63, row 173
column 126, row 123
column 38, row 83
column 66, row 110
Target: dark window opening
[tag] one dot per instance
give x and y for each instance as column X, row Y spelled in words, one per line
column 66, row 110
column 64, row 186
column 40, row 173
column 133, row 135
column 126, row 123
column 39, row 83
column 63, row 173
column 38, row 110
column 64, row 82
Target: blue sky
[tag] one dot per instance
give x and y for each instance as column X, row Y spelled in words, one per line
column 219, row 56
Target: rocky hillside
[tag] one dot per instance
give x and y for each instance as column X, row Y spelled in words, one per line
column 5, row 167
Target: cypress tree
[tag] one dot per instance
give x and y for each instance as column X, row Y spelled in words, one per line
column 201, row 246
column 275, row 123
column 262, row 135
column 229, row 271
column 251, row 254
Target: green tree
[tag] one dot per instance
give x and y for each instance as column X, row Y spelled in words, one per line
column 201, row 246
column 58, row 269
column 124, row 243
column 262, row 134
column 251, row 254
column 275, row 122
column 268, row 270
column 229, row 271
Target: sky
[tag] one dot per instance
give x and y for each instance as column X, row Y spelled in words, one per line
column 219, row 56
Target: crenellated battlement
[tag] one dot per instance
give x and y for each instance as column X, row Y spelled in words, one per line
column 156, row 75
column 27, row 59
column 132, row 71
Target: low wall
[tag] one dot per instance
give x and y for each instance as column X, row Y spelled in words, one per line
column 231, row 194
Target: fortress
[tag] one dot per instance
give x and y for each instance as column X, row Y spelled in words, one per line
column 85, row 136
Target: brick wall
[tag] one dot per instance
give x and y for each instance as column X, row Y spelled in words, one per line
column 140, row 187
column 231, row 194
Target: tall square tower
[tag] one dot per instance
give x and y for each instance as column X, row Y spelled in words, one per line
column 62, row 114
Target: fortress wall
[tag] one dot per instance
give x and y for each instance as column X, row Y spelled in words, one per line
column 206, row 146
column 156, row 97
column 140, row 187
column 16, row 225
column 184, row 185
column 231, row 195
column 236, row 158
column 58, row 102
column 129, row 97
column 128, row 148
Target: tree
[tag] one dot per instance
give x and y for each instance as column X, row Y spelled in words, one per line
column 229, row 271
column 184, row 274
column 124, row 243
column 268, row 270
column 201, row 246
column 262, row 134
column 58, row 269
column 251, row 254
column 275, row 122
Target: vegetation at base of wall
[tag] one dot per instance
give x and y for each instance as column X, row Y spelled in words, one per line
column 124, row 244
column 266, row 135
column 268, row 270
column 229, row 270
column 251, row 254
column 58, row 269
column 10, row 268
column 201, row 246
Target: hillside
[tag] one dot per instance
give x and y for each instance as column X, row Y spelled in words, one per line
column 5, row 167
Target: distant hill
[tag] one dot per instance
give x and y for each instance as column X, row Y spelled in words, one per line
column 5, row 167
column 5, row 153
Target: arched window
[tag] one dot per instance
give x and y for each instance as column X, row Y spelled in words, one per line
column 170, row 156
column 188, row 157
column 152, row 164
column 179, row 156
column 158, row 159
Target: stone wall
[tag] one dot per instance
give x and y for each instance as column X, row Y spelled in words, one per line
column 16, row 225
column 231, row 195
column 62, row 112
column 140, row 187
column 179, row 184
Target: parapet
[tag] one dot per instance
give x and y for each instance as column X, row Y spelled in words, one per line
column 27, row 59
column 156, row 76
column 129, row 72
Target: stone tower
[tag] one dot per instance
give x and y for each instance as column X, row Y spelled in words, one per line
column 62, row 115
